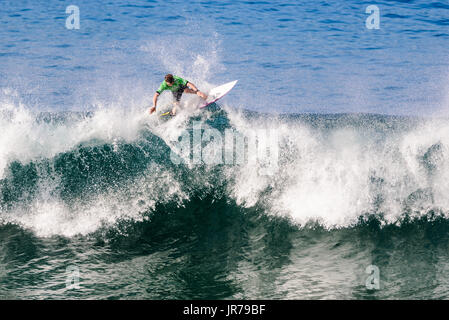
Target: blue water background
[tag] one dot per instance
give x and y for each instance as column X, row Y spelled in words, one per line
column 290, row 56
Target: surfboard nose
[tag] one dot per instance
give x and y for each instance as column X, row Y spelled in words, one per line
column 219, row 92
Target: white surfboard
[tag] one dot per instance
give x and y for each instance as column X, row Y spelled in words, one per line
column 218, row 93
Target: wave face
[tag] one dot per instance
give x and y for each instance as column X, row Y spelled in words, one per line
column 84, row 170
column 346, row 191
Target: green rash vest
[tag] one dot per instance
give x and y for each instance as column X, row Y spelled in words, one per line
column 177, row 84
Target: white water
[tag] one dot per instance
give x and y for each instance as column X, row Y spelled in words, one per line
column 328, row 176
column 331, row 176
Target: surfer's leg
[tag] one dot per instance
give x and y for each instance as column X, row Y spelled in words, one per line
column 177, row 95
column 175, row 106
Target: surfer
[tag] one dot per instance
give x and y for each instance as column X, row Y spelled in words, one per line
column 177, row 86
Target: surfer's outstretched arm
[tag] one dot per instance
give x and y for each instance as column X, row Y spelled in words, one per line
column 194, row 89
column 152, row 109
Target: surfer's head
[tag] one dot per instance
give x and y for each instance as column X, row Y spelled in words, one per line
column 169, row 79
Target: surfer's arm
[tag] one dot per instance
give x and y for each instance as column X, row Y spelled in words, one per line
column 195, row 90
column 192, row 86
column 152, row 109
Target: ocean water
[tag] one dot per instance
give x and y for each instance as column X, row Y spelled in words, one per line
column 98, row 200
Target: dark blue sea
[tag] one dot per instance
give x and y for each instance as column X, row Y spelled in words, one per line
column 324, row 174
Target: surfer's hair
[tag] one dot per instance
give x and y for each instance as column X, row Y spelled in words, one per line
column 169, row 78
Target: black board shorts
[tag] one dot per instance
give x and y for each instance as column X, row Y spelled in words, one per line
column 178, row 94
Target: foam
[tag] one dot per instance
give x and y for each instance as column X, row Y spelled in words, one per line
column 336, row 176
column 49, row 216
column 25, row 139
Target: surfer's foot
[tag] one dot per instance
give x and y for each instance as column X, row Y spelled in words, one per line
column 175, row 106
